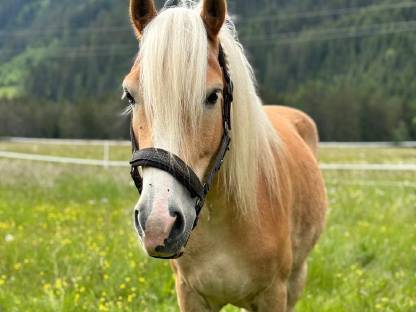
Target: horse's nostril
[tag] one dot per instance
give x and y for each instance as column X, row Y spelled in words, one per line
column 178, row 227
column 136, row 221
column 140, row 218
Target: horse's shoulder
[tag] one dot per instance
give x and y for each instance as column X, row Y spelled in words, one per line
column 286, row 120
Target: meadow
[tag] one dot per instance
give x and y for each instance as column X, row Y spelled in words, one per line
column 67, row 241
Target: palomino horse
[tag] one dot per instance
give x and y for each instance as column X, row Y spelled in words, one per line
column 264, row 210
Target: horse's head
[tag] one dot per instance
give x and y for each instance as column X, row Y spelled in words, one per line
column 176, row 90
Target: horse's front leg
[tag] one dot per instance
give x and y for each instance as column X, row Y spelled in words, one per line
column 273, row 299
column 189, row 300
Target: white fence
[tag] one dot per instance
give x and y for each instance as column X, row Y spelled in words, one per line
column 105, row 162
column 404, row 144
column 63, row 160
column 64, row 141
column 369, row 167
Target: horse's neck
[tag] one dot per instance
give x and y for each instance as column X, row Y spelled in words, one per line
column 219, row 206
column 220, row 231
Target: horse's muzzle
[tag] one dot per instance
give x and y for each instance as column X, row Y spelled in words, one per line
column 163, row 233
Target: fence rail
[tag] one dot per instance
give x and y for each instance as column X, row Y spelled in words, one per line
column 105, row 162
column 405, row 144
column 368, row 167
column 63, row 160
column 111, row 163
column 63, row 141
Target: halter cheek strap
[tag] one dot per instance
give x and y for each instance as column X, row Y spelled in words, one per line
column 174, row 165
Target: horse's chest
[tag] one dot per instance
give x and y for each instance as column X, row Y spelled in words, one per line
column 228, row 274
column 225, row 267
column 223, row 278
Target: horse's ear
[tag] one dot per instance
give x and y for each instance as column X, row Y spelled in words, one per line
column 141, row 13
column 213, row 14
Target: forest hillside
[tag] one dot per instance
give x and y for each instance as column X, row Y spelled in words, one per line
column 349, row 63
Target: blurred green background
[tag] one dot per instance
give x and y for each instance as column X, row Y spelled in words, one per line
column 348, row 63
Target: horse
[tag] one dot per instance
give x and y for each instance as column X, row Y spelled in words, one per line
column 246, row 239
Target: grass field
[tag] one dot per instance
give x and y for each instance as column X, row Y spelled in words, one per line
column 67, row 242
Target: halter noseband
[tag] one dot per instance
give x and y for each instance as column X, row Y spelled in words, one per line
column 166, row 161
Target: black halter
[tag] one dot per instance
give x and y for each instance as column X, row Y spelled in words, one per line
column 166, row 161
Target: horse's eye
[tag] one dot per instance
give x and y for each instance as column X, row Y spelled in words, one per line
column 129, row 97
column 212, row 98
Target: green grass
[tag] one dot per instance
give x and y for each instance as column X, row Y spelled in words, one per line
column 67, row 242
column 73, row 246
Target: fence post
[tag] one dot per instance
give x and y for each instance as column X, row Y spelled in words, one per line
column 106, row 156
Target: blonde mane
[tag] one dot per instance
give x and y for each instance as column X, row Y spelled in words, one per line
column 256, row 146
column 173, row 58
column 173, row 61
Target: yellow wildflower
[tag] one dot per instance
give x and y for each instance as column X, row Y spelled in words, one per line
column 130, row 298
column 58, row 283
column 46, row 286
